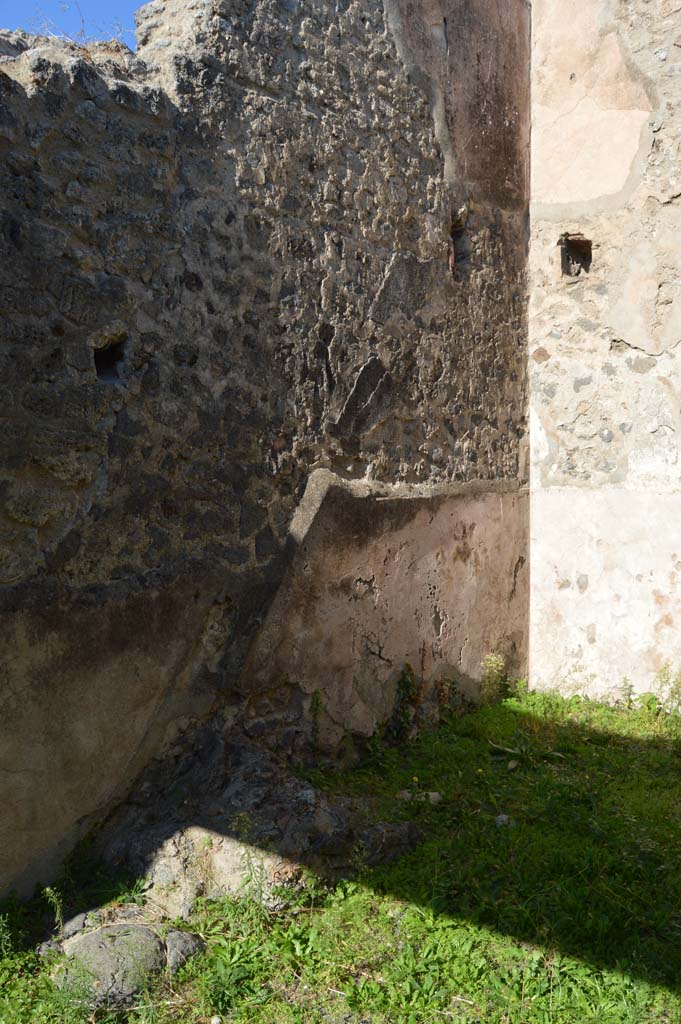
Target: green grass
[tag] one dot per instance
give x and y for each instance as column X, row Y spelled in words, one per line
column 565, row 910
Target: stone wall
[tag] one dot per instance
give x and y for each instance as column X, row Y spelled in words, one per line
column 604, row 355
column 282, row 239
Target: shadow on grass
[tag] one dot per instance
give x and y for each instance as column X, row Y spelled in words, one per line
column 87, row 883
column 558, row 826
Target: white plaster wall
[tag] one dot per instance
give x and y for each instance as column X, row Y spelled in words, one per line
column 605, row 352
column 588, row 109
column 606, row 588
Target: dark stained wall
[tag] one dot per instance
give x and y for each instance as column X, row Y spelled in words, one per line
column 225, row 262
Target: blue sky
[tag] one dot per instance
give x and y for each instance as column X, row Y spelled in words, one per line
column 101, row 17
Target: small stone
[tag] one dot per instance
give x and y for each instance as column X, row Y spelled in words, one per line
column 51, row 946
column 512, row 765
column 502, row 820
column 74, row 925
column 181, row 947
column 216, row 1020
column 432, row 798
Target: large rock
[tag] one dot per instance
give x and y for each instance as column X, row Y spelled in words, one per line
column 180, row 947
column 112, row 963
column 254, row 827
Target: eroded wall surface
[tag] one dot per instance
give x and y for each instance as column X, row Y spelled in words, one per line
column 604, row 343
column 381, row 584
column 266, row 244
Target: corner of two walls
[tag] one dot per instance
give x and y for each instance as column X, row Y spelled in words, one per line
column 424, row 566
column 427, row 581
column 261, row 310
column 604, row 345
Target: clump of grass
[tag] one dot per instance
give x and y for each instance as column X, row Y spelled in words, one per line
column 494, row 676
column 54, row 899
column 86, row 35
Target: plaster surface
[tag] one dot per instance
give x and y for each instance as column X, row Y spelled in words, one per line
column 605, row 377
column 606, row 591
column 379, row 583
column 590, row 103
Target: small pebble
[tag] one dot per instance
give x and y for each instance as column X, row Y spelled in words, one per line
column 432, row 798
column 51, row 946
column 74, row 925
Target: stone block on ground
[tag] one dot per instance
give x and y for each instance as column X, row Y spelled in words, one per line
column 111, row 965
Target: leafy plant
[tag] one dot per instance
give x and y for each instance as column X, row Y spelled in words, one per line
column 627, row 693
column 493, row 678
column 651, row 704
column 406, row 700
column 668, row 687
column 55, row 899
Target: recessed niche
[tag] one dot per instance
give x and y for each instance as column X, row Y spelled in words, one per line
column 108, row 362
column 575, row 255
column 459, row 245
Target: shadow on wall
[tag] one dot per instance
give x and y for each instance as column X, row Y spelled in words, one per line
column 184, row 369
column 549, row 829
column 434, row 581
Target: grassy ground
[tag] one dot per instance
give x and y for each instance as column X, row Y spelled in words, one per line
column 546, row 890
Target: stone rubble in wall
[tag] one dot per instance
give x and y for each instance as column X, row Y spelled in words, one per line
column 226, row 263
column 211, row 251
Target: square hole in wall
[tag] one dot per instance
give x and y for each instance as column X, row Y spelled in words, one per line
column 575, row 255
column 108, row 360
column 459, row 245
